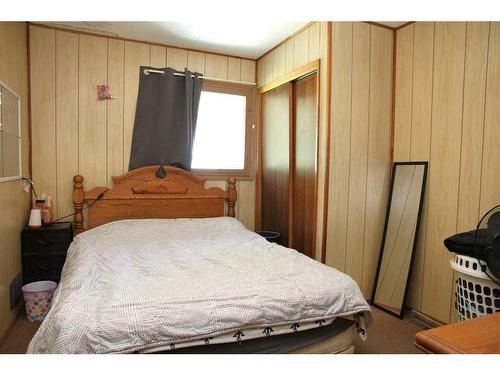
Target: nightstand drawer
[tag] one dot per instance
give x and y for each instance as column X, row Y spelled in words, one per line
column 44, row 251
column 46, row 267
column 45, row 242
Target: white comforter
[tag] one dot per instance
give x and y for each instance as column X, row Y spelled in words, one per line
column 139, row 284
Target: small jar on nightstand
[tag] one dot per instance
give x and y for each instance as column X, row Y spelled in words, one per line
column 44, row 251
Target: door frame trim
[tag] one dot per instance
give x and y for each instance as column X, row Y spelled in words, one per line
column 292, row 76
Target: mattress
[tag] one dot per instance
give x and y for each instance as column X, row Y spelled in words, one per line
column 144, row 285
column 331, row 338
column 242, row 335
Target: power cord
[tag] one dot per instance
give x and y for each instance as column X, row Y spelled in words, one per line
column 99, row 197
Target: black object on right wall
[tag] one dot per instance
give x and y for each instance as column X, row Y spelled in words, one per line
column 482, row 243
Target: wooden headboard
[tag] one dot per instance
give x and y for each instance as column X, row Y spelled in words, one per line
column 140, row 194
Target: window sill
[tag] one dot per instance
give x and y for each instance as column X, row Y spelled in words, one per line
column 224, row 175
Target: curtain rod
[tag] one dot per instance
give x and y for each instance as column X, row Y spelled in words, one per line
column 148, row 71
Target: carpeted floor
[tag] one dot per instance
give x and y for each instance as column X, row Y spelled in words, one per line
column 19, row 335
column 386, row 335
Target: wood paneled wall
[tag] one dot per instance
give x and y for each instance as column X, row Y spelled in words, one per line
column 360, row 134
column 14, row 203
column 447, row 112
column 303, row 48
column 361, row 109
column 74, row 133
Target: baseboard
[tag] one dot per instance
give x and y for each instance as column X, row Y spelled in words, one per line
column 426, row 319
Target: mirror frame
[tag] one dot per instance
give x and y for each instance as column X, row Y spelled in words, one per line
column 18, row 177
column 415, row 238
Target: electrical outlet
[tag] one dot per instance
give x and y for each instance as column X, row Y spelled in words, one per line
column 15, row 290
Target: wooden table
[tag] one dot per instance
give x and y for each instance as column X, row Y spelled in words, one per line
column 475, row 336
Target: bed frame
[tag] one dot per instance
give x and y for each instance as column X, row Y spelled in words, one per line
column 157, row 192
column 152, row 192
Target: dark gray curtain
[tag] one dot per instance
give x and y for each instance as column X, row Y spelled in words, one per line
column 165, row 119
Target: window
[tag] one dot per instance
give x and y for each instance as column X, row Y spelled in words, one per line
column 223, row 144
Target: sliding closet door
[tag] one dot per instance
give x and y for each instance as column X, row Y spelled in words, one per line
column 275, row 160
column 304, row 165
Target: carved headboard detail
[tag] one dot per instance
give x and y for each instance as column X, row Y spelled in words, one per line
column 159, row 187
column 139, row 194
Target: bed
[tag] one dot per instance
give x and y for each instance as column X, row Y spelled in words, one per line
column 159, row 268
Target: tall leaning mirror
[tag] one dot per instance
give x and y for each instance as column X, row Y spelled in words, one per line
column 400, row 234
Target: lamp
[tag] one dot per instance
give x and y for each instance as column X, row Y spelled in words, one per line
column 41, row 211
column 27, row 185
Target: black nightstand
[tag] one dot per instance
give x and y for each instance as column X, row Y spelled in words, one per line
column 44, row 251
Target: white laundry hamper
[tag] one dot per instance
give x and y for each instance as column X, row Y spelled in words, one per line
column 476, row 294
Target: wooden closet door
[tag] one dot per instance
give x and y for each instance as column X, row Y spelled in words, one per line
column 275, row 160
column 304, row 168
